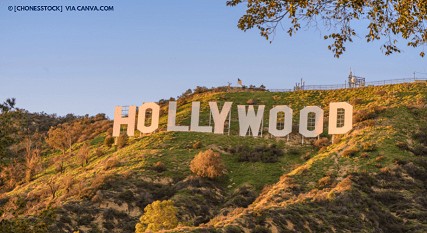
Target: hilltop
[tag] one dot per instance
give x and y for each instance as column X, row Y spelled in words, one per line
column 372, row 179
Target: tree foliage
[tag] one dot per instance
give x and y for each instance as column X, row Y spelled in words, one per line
column 159, row 215
column 83, row 155
column 385, row 20
column 63, row 136
column 7, row 127
column 32, row 155
column 11, row 174
column 207, row 164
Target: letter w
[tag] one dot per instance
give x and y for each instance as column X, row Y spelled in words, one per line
column 250, row 120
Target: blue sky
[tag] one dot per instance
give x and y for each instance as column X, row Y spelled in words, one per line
column 89, row 62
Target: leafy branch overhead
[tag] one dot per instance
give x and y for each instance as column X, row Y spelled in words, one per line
column 386, row 20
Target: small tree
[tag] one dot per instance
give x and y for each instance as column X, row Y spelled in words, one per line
column 64, row 136
column 384, row 20
column 59, row 163
column 207, row 164
column 11, row 174
column 159, row 215
column 83, row 155
column 32, row 156
column 67, row 182
column 52, row 186
column 33, row 163
column 8, row 125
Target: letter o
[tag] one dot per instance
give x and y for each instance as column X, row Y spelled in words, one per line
column 318, row 129
column 155, row 114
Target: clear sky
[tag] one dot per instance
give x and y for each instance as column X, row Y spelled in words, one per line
column 89, row 62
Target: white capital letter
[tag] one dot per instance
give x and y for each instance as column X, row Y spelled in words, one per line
column 155, row 113
column 219, row 117
column 318, row 126
column 195, row 110
column 171, row 119
column 272, row 122
column 120, row 120
column 250, row 119
column 333, row 118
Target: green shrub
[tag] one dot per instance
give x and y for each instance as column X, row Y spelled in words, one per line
column 159, row 215
column 293, row 151
column 265, row 154
column 242, row 197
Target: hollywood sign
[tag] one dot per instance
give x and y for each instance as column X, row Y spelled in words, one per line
column 340, row 119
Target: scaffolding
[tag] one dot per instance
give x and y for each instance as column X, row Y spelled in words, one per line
column 355, row 81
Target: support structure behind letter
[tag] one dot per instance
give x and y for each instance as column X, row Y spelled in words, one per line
column 120, row 120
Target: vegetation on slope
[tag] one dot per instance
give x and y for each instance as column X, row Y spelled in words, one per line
column 371, row 178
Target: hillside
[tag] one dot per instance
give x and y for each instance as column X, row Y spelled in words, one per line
column 373, row 179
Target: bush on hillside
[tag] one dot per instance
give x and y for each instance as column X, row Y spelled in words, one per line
column 306, row 156
column 122, row 140
column 419, row 150
column 99, row 152
column 366, row 114
column 261, row 229
column 111, row 163
column 324, row 181
column 265, row 153
column 232, row 229
column 321, row 142
column 197, row 145
column 369, row 146
column 159, row 215
column 159, row 167
column 421, row 135
column 11, row 174
column 251, row 102
column 199, row 90
column 242, row 196
column 108, row 141
column 207, row 164
column 350, row 152
column 402, row 145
